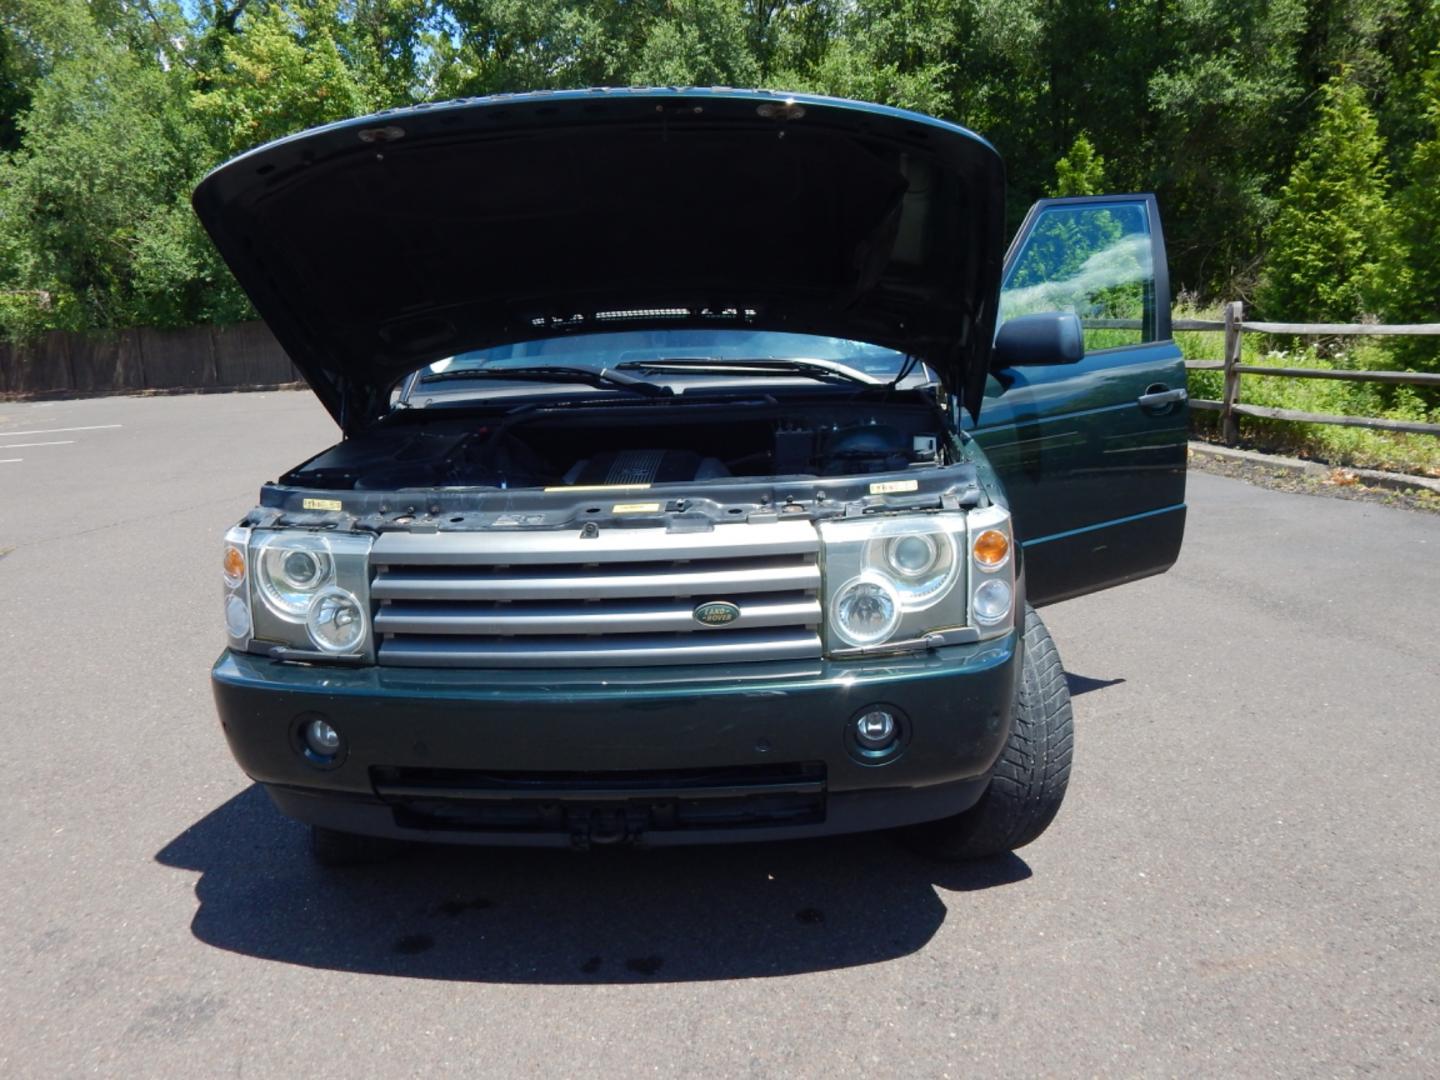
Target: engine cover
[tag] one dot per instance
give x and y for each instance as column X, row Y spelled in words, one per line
column 644, row 467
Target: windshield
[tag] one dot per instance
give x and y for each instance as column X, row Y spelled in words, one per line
column 602, row 352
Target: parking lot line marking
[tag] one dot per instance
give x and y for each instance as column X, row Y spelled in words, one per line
column 19, row 445
column 10, row 460
column 59, row 430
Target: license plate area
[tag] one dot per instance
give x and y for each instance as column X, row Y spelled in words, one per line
column 604, row 807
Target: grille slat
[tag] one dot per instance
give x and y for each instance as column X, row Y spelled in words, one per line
column 625, row 598
column 600, row 583
column 612, row 545
column 412, row 618
column 615, row 650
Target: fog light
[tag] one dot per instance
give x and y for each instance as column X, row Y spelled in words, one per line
column 322, row 739
column 875, row 730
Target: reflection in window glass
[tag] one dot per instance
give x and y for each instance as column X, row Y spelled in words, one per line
column 1092, row 260
column 609, row 349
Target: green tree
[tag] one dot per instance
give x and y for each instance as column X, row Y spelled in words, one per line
column 17, row 75
column 1421, row 210
column 1403, row 112
column 503, row 46
column 789, row 36
column 383, row 41
column 284, row 72
column 697, row 43
column 1420, row 228
column 1081, row 171
column 1220, row 131
column 110, row 110
column 91, row 221
column 1334, row 252
column 894, row 52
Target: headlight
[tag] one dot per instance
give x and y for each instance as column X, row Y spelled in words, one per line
column 910, row 581
column 921, row 562
column 892, row 579
column 291, row 570
column 299, row 590
column 865, row 611
column 335, row 622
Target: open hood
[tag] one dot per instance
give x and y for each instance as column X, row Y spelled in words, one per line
column 376, row 245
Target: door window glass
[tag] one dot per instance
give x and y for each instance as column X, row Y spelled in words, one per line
column 1093, row 260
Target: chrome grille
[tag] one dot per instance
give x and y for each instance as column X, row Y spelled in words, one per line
column 625, row 597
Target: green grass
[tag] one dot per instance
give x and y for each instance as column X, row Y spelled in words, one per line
column 1358, row 447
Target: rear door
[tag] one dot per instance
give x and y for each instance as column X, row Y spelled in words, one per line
column 1092, row 454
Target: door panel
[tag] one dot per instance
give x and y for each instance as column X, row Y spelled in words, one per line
column 1092, row 454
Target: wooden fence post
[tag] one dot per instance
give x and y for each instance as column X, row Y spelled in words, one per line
column 1229, row 418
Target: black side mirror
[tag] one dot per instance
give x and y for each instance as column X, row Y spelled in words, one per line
column 1051, row 337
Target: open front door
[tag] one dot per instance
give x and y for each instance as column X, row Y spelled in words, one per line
column 1092, row 452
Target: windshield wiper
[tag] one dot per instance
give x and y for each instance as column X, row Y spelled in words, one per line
column 555, row 373
column 824, row 370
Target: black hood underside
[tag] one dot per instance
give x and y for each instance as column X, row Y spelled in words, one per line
column 377, row 245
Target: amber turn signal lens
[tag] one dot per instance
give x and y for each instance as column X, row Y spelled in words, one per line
column 234, row 564
column 991, row 548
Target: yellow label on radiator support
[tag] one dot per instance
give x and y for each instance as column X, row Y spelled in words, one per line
column 887, row 487
column 635, row 508
column 322, row 504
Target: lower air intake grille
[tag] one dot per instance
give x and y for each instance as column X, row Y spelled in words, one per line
column 616, row 804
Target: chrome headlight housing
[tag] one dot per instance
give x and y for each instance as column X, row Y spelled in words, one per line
column 898, row 581
column 305, row 591
column 892, row 579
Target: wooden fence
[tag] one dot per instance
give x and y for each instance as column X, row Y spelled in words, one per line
column 1230, row 407
column 192, row 358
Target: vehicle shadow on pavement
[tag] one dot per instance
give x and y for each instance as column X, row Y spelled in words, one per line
column 1083, row 684
column 546, row 916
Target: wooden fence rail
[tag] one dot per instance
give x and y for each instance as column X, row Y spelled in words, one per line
column 1230, row 407
column 61, row 364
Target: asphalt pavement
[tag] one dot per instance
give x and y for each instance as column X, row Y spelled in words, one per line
column 1245, row 879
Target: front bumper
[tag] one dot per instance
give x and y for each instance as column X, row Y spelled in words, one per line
column 649, row 755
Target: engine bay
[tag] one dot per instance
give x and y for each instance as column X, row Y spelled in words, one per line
column 575, row 447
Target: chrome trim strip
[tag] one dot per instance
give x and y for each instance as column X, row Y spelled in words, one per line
column 628, row 650
column 580, row 584
column 677, row 616
column 609, row 545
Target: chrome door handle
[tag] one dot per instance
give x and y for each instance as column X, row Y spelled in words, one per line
column 1158, row 398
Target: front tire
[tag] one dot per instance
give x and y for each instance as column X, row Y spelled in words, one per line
column 1028, row 782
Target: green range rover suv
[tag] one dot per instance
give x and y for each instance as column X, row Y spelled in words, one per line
column 705, row 456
